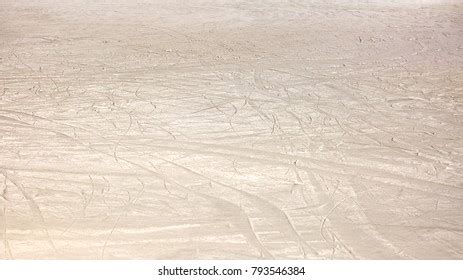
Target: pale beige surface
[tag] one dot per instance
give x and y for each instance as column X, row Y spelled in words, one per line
column 230, row 129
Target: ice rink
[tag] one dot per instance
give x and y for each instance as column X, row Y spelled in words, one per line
column 215, row 129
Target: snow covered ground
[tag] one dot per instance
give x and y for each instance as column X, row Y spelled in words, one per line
column 231, row 129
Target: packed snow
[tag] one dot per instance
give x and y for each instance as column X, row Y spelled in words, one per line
column 236, row 129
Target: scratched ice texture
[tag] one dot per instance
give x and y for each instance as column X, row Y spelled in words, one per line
column 236, row 129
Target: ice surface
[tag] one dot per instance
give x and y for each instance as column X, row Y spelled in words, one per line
column 231, row 129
